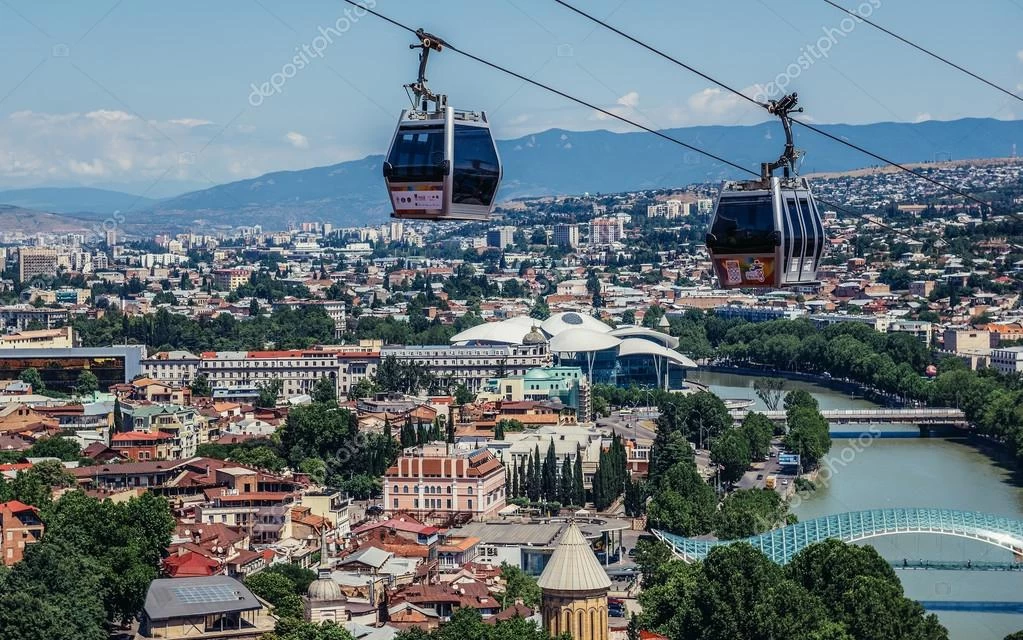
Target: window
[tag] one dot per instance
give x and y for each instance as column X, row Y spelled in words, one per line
column 470, row 503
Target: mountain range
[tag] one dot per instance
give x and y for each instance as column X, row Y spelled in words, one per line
column 552, row 162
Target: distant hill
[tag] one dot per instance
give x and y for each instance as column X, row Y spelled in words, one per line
column 14, row 219
column 75, row 200
column 567, row 162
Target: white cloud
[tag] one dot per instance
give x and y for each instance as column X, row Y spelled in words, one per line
column 923, row 117
column 630, row 99
column 190, row 122
column 297, row 140
column 109, row 146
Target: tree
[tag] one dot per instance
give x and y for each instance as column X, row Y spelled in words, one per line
column 316, row 431
column 364, row 388
column 731, row 452
column 58, row 447
column 808, row 435
column 87, row 383
column 300, row 577
column 296, row 629
column 279, row 591
column 770, row 391
column 325, row 390
column 463, row 396
column 269, row 392
column 800, row 398
column 549, row 474
column 565, row 482
column 201, row 387
column 635, row 497
column 758, row 430
column 747, row 512
column 518, row 585
column 31, row 376
column 682, row 502
column 578, row 489
column 118, row 416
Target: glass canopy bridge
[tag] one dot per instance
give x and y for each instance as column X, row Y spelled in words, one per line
column 780, row 545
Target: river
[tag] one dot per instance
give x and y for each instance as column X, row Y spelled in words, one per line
column 915, row 473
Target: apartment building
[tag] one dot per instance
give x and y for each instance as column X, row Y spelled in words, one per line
column 501, row 237
column 473, row 365
column 607, row 230
column 36, row 261
column 62, row 338
column 21, row 316
column 436, row 482
column 258, row 504
column 185, row 426
column 230, row 279
column 172, row 367
column 1007, row 360
column 566, row 235
column 972, row 345
column 20, row 526
column 298, row 370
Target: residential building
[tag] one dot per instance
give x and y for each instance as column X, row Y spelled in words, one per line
column 298, row 370
column 751, row 313
column 20, row 526
column 142, row 446
column 36, row 261
column 230, row 279
column 566, row 235
column 439, row 483
column 62, row 338
column 23, row 316
column 921, row 288
column 203, row 608
column 472, row 365
column 607, row 230
column 257, row 503
column 1008, row 360
column 172, row 367
column 878, row 323
column 501, row 237
column 186, row 428
column 922, row 331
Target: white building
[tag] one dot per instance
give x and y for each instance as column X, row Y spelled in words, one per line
column 172, row 367
column 1007, row 359
column 473, row 364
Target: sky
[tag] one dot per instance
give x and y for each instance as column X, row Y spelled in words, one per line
column 156, row 98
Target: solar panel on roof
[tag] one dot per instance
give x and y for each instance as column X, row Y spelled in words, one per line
column 206, row 593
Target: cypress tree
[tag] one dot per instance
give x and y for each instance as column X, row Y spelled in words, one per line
column 537, row 473
column 451, row 427
column 577, row 482
column 532, row 490
column 549, row 474
column 118, row 416
column 566, row 487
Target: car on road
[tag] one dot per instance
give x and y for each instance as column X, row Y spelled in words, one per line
column 760, row 476
column 784, row 482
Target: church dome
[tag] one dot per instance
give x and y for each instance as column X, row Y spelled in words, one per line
column 323, row 588
column 573, row 567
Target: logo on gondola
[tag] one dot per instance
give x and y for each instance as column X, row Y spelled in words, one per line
column 733, row 272
column 417, row 199
column 756, row 271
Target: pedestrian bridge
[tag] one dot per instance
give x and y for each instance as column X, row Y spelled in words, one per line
column 913, row 415
column 781, row 544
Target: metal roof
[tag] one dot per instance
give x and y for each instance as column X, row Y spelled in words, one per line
column 573, row 566
column 186, row 597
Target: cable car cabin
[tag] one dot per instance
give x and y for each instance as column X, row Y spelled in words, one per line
column 442, row 165
column 766, row 234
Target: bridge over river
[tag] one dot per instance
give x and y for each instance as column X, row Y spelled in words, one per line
column 780, row 545
column 935, row 416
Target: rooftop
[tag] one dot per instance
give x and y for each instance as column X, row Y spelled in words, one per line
column 169, row 598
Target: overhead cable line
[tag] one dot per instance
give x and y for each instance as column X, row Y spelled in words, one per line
column 857, row 16
column 815, row 129
column 611, row 114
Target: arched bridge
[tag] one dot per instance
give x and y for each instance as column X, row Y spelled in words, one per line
column 781, row 544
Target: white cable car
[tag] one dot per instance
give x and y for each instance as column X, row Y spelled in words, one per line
column 442, row 163
column 768, row 232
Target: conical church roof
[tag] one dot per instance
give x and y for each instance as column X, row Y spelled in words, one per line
column 573, row 566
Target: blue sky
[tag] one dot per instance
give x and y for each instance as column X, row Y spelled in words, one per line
column 158, row 96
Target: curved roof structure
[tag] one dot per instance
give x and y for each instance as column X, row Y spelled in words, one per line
column 781, row 544
column 566, row 320
column 510, row 331
column 639, row 346
column 632, row 331
column 583, row 340
column 573, row 566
